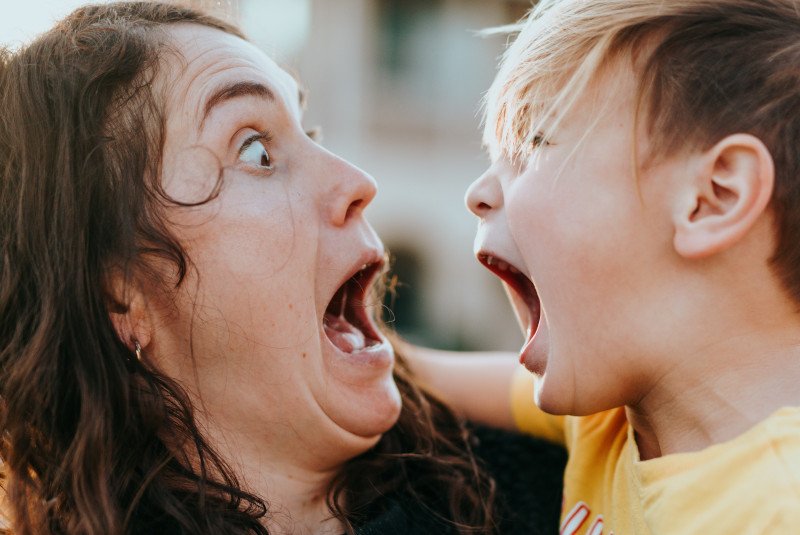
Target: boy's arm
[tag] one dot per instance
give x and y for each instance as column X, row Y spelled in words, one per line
column 475, row 385
column 487, row 388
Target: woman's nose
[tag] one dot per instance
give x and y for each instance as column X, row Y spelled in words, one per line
column 485, row 194
column 351, row 192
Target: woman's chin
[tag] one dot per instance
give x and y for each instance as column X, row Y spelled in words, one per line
column 377, row 413
column 365, row 411
column 361, row 395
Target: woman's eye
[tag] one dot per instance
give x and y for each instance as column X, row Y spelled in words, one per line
column 254, row 152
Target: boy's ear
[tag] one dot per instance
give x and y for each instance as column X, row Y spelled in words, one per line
column 730, row 190
column 127, row 309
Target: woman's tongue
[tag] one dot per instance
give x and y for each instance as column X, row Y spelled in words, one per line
column 343, row 334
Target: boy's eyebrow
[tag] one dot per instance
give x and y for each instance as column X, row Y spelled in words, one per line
column 302, row 97
column 233, row 90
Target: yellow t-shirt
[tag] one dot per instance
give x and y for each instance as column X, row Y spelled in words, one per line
column 747, row 486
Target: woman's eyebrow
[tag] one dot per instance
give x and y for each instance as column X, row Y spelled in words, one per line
column 234, row 90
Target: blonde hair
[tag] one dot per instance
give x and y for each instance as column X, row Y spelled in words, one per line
column 705, row 69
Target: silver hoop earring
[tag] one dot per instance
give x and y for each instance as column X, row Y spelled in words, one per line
column 138, row 349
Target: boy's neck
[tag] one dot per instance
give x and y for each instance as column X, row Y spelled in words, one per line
column 719, row 393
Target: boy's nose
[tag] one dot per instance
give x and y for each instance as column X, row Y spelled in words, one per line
column 485, row 194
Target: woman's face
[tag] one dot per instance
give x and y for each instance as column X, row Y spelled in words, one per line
column 266, row 331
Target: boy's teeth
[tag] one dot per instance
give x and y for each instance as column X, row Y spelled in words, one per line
column 502, row 265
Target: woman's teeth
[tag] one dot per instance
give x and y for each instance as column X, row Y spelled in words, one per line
column 346, row 322
column 344, row 335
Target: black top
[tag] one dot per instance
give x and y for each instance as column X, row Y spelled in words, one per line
column 529, row 475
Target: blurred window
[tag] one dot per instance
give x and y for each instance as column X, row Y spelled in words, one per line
column 402, row 24
column 404, row 305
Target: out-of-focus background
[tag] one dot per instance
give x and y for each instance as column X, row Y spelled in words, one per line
column 396, row 86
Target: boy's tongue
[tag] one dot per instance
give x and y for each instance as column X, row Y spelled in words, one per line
column 343, row 334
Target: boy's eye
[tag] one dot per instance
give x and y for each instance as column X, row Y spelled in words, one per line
column 315, row 133
column 253, row 152
column 526, row 151
column 539, row 140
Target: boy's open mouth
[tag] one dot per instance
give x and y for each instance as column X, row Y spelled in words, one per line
column 521, row 285
column 347, row 321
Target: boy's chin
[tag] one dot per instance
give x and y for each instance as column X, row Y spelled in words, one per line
column 550, row 398
column 562, row 385
column 562, row 394
column 559, row 401
column 556, row 389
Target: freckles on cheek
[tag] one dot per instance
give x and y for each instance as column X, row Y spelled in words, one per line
column 277, row 315
column 247, row 235
column 255, row 249
column 250, row 274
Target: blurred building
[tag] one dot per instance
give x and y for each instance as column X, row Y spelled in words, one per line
column 396, row 86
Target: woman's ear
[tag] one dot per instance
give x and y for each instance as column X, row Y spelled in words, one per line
column 127, row 309
column 730, row 190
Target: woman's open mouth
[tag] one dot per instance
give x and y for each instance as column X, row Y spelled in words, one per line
column 525, row 296
column 348, row 321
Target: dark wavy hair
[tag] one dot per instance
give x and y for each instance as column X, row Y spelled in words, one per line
column 94, row 442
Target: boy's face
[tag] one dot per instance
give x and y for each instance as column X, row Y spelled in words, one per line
column 596, row 241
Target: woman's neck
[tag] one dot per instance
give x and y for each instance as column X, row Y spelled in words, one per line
column 295, row 493
column 296, row 501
